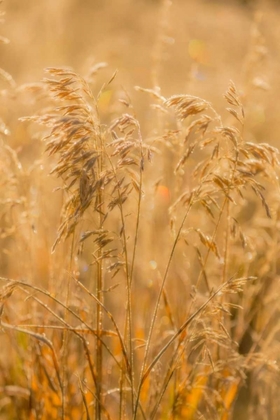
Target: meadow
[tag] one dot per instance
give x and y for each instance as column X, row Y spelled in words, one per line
column 140, row 210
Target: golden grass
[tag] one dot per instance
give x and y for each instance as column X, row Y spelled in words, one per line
column 139, row 234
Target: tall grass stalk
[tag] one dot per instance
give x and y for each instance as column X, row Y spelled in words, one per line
column 145, row 286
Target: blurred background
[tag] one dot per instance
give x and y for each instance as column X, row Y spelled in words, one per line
column 193, row 46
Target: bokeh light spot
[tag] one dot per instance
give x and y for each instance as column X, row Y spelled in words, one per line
column 197, row 51
column 153, row 264
column 163, row 193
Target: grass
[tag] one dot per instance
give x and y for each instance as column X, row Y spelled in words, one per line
column 139, row 257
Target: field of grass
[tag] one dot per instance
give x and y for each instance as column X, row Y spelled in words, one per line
column 140, row 210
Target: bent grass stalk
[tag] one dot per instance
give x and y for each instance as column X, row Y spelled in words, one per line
column 144, row 373
column 65, row 331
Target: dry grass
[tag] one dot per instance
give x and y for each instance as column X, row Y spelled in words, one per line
column 139, row 228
